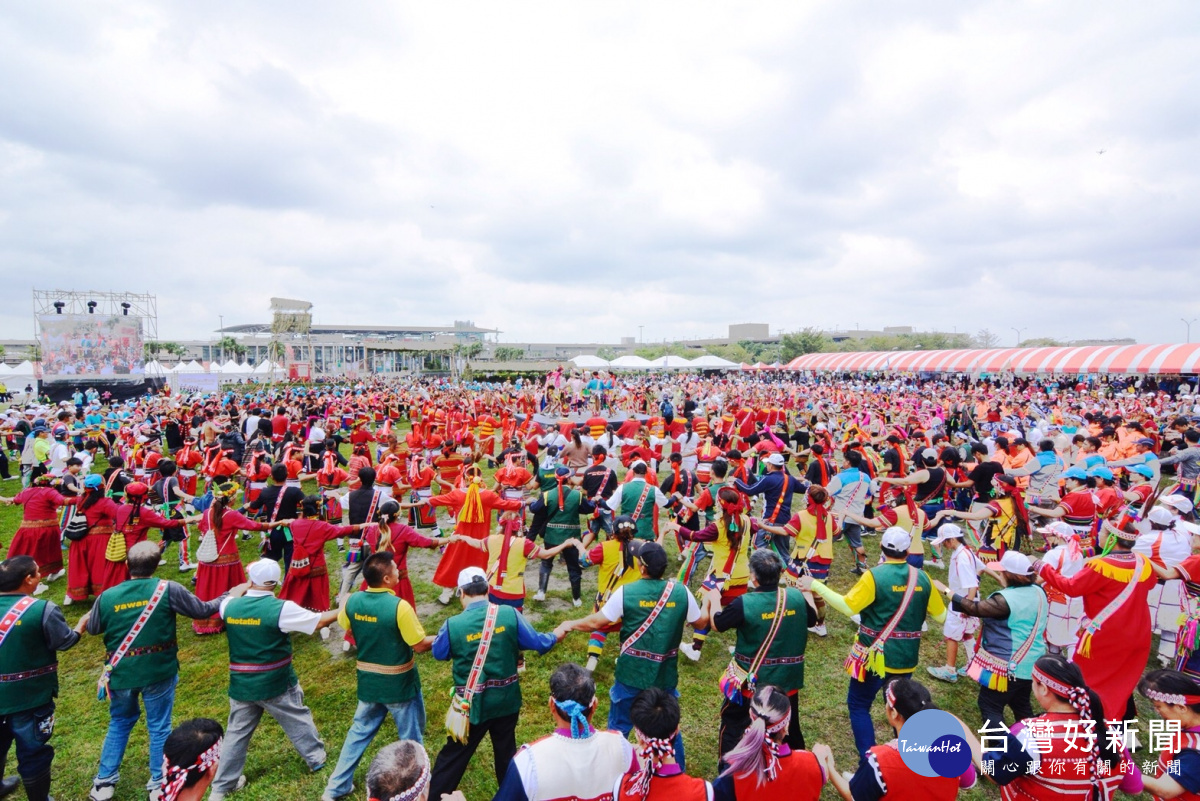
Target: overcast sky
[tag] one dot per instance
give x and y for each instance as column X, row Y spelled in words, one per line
column 570, row 171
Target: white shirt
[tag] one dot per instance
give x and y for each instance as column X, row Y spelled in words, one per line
column 251, row 425
column 292, row 618
column 614, row 608
column 964, row 570
column 316, row 435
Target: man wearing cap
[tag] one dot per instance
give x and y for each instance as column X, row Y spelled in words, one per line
column 1065, row 556
column 495, row 697
column 1013, row 638
column 1114, row 643
column 891, row 601
column 147, row 666
column 777, row 486
column 963, row 568
column 1166, row 547
column 1145, row 456
column 641, row 500
column 388, row 634
column 258, row 627
column 652, row 612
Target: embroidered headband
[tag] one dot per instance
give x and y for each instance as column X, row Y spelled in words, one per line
column 1173, row 698
column 1055, row 685
column 174, row 776
column 412, row 792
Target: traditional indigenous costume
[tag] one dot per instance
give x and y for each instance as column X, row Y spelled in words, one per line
column 85, row 557
column 473, row 509
column 217, row 577
column 307, row 579
column 38, row 534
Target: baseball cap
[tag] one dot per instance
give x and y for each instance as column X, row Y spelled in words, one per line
column 1161, row 516
column 93, row 481
column 1149, row 443
column 896, row 539
column 468, row 575
column 1075, row 472
column 947, row 531
column 1141, row 470
column 1101, row 472
column 1178, row 502
column 654, row 558
column 1058, row 528
column 264, row 572
column 1016, row 563
column 775, row 459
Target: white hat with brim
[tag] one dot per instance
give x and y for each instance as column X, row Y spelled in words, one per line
column 264, row 572
column 468, row 575
column 948, row 531
column 1016, row 563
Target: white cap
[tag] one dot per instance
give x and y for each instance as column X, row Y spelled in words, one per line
column 264, row 572
column 1161, row 516
column 1016, row 563
column 637, row 462
column 930, row 453
column 947, row 531
column 896, row 538
column 775, row 459
column 1178, row 502
column 820, row 427
column 468, row 575
column 1059, row 529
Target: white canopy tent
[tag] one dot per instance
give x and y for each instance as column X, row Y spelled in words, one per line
column 710, row 362
column 154, row 370
column 630, row 363
column 584, row 360
column 669, row 362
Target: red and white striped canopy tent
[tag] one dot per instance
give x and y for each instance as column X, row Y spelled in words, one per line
column 1112, row 359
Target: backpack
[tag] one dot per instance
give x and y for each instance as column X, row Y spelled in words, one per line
column 668, row 411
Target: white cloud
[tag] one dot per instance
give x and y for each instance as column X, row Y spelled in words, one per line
column 573, row 172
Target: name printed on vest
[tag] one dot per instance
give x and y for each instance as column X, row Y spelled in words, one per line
column 771, row 615
column 244, row 621
column 652, row 604
column 130, row 605
column 903, row 588
column 479, row 636
column 366, row 618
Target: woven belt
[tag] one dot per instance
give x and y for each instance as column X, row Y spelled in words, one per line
column 147, row 649
column 385, row 670
column 51, row 523
column 651, row 656
column 28, row 674
column 896, row 634
column 240, row 667
column 777, row 661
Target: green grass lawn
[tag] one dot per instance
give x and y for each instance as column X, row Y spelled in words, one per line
column 275, row 770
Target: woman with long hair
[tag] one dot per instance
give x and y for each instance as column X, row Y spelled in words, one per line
column 307, row 579
column 223, row 572
column 1093, row 766
column 85, row 557
column 729, row 536
column 882, row 772
column 1176, row 697
column 38, row 535
column 762, row 765
column 133, row 521
column 617, row 560
column 812, row 529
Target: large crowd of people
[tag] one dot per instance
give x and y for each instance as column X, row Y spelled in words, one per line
column 705, row 503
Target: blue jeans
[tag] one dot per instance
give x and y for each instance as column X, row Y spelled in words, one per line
column 622, row 696
column 410, row 725
column 859, row 698
column 123, row 711
column 603, row 522
column 30, row 729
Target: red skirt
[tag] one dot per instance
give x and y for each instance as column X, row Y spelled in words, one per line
column 458, row 555
column 212, row 581
column 39, row 539
column 311, row 591
column 113, row 573
column 83, row 568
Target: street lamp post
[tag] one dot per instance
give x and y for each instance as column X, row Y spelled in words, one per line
column 640, row 327
column 1188, row 323
column 1019, row 330
column 221, row 332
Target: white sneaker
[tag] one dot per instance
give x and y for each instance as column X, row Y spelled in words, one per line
column 40, row 589
column 938, row 563
column 327, row 797
column 325, row 633
column 345, row 646
column 162, row 562
column 445, row 597
column 101, row 793
column 578, row 602
column 215, row 796
column 186, row 566
column 539, row 596
column 819, row 630
column 591, row 664
column 67, row 601
column 688, row 650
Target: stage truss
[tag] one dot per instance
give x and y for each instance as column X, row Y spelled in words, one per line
column 107, row 303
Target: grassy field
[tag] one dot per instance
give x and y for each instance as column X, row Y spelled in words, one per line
column 275, row 770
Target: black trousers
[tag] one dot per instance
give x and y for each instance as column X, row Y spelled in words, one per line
column 454, row 757
column 1016, row 698
column 735, row 719
column 574, row 571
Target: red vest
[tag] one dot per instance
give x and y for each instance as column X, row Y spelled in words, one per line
column 1062, row 775
column 800, row 776
column 679, row 787
column 1187, row 740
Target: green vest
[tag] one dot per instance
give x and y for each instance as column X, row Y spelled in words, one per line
column 547, row 478
column 24, row 652
column 652, row 661
column 1004, row 637
column 901, row 650
column 498, row 693
column 561, row 526
column 632, row 503
column 252, row 628
column 783, row 665
column 153, row 656
column 373, row 623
